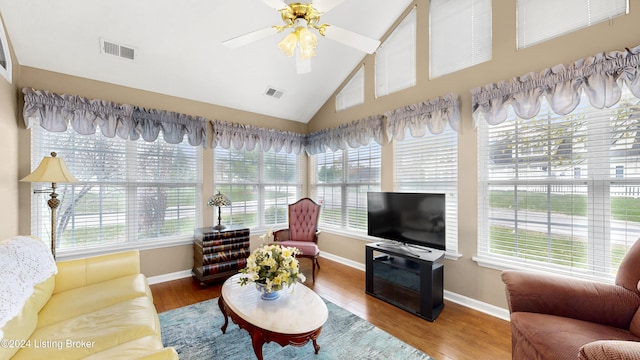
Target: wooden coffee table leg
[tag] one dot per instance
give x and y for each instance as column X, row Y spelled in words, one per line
column 316, row 346
column 257, row 341
column 226, row 319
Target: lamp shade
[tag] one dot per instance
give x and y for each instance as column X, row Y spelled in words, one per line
column 52, row 169
column 219, row 200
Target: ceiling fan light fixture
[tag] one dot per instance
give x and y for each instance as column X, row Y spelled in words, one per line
column 288, row 44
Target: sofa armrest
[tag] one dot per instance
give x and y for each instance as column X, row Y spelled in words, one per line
column 569, row 297
column 91, row 270
column 610, row 350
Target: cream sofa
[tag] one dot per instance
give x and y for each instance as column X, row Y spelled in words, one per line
column 92, row 308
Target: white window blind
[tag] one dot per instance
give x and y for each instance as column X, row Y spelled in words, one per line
column 459, row 35
column 396, row 58
column 353, row 92
column 561, row 193
column 341, row 182
column 259, row 184
column 129, row 191
column 429, row 164
column 5, row 56
column 541, row 20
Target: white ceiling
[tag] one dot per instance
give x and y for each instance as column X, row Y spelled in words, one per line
column 179, row 49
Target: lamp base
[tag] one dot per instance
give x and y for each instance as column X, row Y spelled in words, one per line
column 219, row 227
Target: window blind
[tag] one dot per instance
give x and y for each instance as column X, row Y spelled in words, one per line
column 128, row 191
column 561, row 192
column 459, row 35
column 341, row 182
column 353, row 92
column 260, row 185
column 430, row 164
column 541, row 20
column 396, row 58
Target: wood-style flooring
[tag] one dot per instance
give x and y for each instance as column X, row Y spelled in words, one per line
column 458, row 333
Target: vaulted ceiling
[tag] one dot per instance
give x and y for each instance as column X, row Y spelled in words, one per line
column 179, row 52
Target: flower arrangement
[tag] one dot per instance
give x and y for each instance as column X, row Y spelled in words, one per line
column 273, row 266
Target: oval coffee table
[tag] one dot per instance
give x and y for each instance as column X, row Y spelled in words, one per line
column 293, row 319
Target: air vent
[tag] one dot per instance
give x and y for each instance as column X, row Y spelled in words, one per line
column 274, row 92
column 112, row 48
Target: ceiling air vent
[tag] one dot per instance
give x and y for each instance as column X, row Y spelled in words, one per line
column 111, row 48
column 274, row 92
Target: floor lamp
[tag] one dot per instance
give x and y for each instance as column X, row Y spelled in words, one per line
column 52, row 170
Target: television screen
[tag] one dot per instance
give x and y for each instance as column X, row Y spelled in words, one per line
column 409, row 218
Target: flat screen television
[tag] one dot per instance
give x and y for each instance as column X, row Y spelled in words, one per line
column 408, row 218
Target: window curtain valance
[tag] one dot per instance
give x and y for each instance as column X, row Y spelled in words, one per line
column 351, row 135
column 600, row 76
column 55, row 112
column 227, row 135
column 432, row 114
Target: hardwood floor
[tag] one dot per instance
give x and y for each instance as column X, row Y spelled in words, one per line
column 458, row 333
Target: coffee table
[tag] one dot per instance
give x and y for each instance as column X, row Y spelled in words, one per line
column 293, row 319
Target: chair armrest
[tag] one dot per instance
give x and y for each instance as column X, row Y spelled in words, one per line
column 569, row 297
column 81, row 272
column 610, row 350
column 281, row 235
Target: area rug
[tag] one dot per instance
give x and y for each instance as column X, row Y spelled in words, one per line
column 194, row 331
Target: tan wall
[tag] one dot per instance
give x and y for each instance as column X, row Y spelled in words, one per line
column 464, row 276
column 153, row 262
column 9, row 185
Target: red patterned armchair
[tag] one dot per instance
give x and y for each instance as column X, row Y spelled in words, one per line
column 303, row 231
column 555, row 317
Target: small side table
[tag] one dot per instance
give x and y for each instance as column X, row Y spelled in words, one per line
column 218, row 254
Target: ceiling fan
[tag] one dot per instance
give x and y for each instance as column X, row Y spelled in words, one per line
column 302, row 18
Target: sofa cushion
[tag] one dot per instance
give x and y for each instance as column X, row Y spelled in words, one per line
column 86, row 334
column 86, row 299
column 610, row 350
column 554, row 337
column 130, row 349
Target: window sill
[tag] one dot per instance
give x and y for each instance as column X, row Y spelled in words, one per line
column 70, row 254
column 507, row 264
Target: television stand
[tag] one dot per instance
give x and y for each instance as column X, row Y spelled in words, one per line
column 412, row 281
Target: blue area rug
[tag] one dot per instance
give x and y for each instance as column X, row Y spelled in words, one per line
column 194, row 331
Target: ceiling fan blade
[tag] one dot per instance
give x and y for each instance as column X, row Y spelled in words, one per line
column 352, row 39
column 248, row 38
column 324, row 6
column 275, row 4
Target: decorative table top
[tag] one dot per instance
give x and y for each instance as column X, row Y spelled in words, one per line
column 298, row 310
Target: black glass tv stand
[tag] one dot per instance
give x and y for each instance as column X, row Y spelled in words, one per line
column 409, row 279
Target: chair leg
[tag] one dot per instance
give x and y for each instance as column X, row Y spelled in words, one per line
column 313, row 269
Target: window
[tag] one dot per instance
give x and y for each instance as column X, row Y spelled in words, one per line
column 341, row 182
column 353, row 92
column 130, row 192
column 561, row 193
column 5, row 56
column 260, row 185
column 459, row 35
column 396, row 58
column 541, row 20
column 430, row 164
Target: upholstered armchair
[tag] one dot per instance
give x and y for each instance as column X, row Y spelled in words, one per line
column 303, row 231
column 556, row 317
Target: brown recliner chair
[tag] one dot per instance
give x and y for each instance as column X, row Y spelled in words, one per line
column 555, row 317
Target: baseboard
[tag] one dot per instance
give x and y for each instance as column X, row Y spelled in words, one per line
column 168, row 277
column 343, row 261
column 474, row 304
